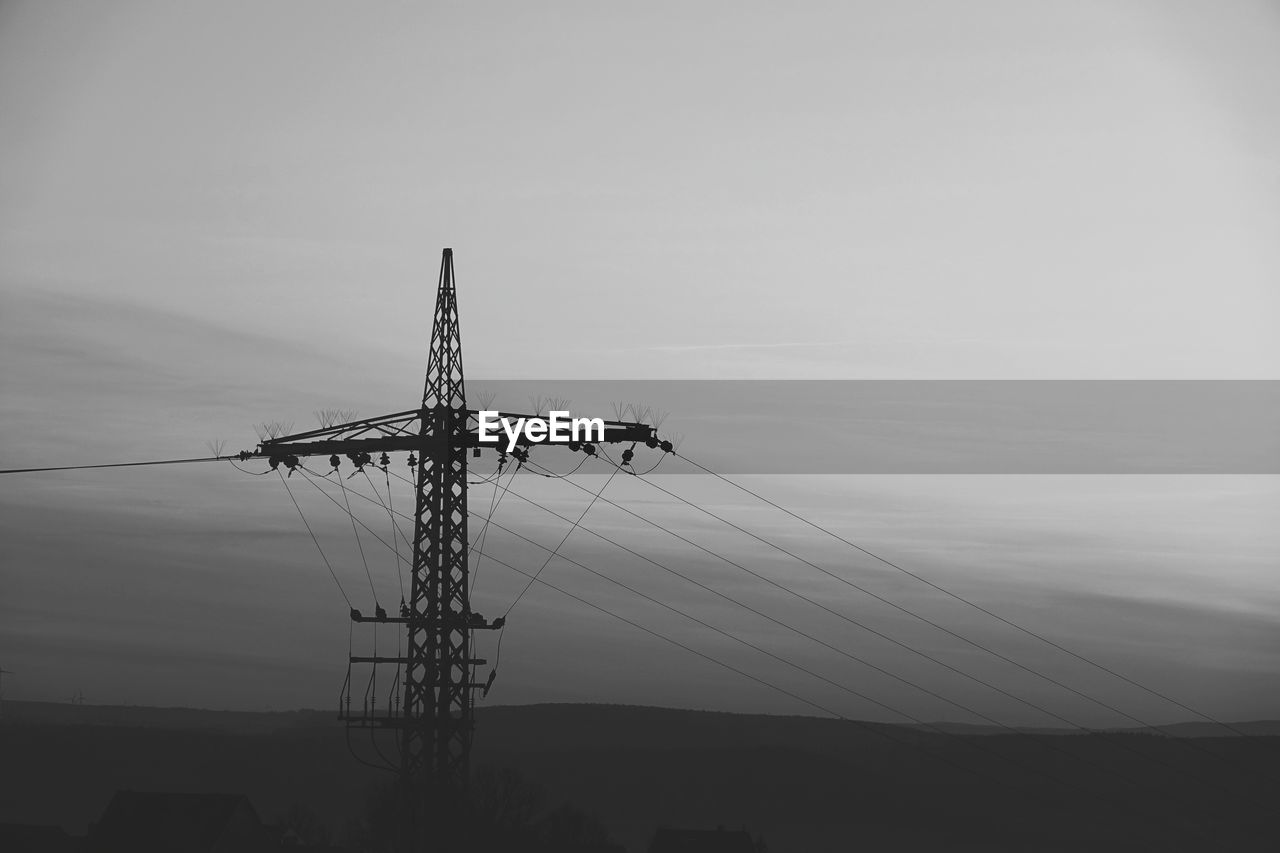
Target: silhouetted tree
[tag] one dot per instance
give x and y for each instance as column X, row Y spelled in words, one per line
column 505, row 813
column 307, row 825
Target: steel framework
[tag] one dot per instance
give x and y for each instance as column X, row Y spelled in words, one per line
column 435, row 720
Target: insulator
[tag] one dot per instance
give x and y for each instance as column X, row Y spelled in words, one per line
column 413, row 460
column 291, row 461
column 627, row 456
column 666, row 447
column 334, row 460
column 651, row 441
column 385, row 460
column 575, row 446
column 274, row 462
column 589, row 449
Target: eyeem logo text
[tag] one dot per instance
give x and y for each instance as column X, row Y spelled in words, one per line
column 559, row 428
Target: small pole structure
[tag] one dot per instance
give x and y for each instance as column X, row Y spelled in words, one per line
column 3, row 673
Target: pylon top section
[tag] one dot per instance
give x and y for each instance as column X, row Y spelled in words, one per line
column 445, row 387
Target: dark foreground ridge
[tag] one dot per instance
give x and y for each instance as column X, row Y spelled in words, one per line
column 800, row 783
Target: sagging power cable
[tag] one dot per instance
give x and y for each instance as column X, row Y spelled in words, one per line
column 114, row 465
column 960, row 598
column 327, row 564
column 552, row 553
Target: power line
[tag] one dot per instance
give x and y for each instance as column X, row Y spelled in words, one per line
column 1109, row 737
column 392, row 518
column 972, row 604
column 315, row 540
column 115, row 465
column 536, row 578
column 314, row 478
column 907, row 646
column 494, row 501
column 555, row 552
column 1188, row 744
column 843, row 617
column 800, row 633
column 926, row 620
column 502, row 632
column 597, row 496
column 594, row 497
column 798, row 667
column 359, row 545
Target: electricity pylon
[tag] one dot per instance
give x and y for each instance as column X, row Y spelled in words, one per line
column 435, row 720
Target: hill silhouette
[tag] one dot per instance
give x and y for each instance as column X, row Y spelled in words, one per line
column 803, row 783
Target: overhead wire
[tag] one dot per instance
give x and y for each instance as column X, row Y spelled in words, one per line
column 652, row 468
column 329, row 566
column 844, row 617
column 1021, row 628
column 393, row 691
column 1112, row 737
column 114, row 465
column 555, row 552
column 551, row 475
column 494, row 501
column 1029, row 632
column 902, row 609
column 809, row 600
column 536, row 578
column 359, row 545
column 1187, row 743
column 598, row 496
column 486, row 480
column 502, row 632
column 906, row 646
column 370, row 686
column 391, row 517
column 917, row 721
column 954, row 595
column 594, row 497
column 780, row 623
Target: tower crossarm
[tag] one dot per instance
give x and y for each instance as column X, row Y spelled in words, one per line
column 401, row 431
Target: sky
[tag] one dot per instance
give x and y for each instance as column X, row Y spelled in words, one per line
column 214, row 215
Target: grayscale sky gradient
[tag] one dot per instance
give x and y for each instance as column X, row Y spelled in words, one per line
column 214, row 214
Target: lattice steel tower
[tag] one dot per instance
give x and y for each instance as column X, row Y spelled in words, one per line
column 434, row 720
column 436, row 739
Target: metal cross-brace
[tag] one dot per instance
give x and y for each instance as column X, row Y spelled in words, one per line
column 435, row 719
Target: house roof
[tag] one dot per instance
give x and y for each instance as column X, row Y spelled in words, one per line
column 666, row 840
column 187, row 821
column 37, row 839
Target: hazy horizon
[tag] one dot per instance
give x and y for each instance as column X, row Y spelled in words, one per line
column 215, row 215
